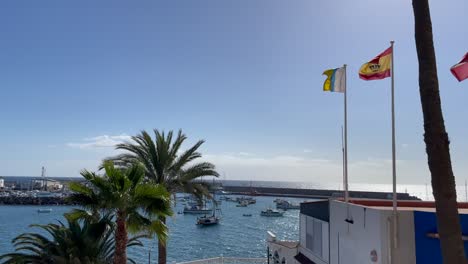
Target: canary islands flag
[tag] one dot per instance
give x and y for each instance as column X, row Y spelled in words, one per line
column 335, row 81
column 378, row 68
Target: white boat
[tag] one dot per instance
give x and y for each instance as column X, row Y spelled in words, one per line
column 285, row 205
column 196, row 210
column 271, row 213
column 248, row 200
column 44, row 210
column 208, row 220
column 242, row 204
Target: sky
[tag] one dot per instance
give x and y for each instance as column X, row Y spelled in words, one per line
column 77, row 77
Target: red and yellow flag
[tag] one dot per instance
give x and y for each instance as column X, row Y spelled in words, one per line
column 378, row 68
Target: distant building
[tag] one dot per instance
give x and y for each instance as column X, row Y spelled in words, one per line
column 332, row 232
column 2, row 183
column 48, row 184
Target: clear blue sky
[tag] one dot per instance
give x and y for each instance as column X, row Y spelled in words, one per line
column 76, row 77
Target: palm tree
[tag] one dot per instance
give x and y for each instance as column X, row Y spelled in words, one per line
column 77, row 243
column 167, row 165
column 121, row 192
column 437, row 141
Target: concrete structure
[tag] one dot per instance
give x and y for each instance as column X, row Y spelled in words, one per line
column 333, row 232
column 281, row 252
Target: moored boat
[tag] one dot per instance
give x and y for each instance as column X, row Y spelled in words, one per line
column 208, row 220
column 242, row 204
column 44, row 210
column 196, row 210
column 285, row 205
column 271, row 213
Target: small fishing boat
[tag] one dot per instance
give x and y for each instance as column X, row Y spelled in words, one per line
column 271, row 213
column 247, row 215
column 44, row 210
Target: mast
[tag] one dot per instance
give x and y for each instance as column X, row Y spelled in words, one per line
column 44, row 183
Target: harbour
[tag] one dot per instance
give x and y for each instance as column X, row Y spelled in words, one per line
column 36, row 191
column 235, row 236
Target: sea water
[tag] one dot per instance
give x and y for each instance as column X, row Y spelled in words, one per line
column 235, row 236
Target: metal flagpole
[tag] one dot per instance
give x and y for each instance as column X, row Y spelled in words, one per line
column 395, row 217
column 342, row 157
column 346, row 142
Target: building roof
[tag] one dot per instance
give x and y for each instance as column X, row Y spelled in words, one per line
column 426, row 206
column 288, row 244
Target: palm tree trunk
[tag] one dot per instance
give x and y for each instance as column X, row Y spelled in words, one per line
column 436, row 139
column 120, row 255
column 162, row 250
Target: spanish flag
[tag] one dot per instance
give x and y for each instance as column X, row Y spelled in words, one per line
column 335, row 81
column 378, row 68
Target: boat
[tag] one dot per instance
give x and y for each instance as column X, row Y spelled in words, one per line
column 44, row 210
column 271, row 213
column 242, row 204
column 285, row 205
column 247, row 215
column 248, row 200
column 196, row 209
column 209, row 220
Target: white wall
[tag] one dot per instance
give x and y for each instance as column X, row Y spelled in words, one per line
column 2, row 183
column 405, row 252
column 371, row 230
column 283, row 252
column 324, row 259
column 353, row 243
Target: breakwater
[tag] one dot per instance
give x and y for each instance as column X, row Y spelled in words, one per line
column 21, row 200
column 313, row 193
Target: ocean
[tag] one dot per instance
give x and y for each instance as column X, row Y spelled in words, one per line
column 235, row 235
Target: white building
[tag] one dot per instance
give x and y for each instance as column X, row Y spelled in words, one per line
column 2, row 183
column 332, row 232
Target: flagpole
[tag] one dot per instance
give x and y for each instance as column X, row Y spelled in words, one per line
column 346, row 141
column 342, row 158
column 395, row 225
